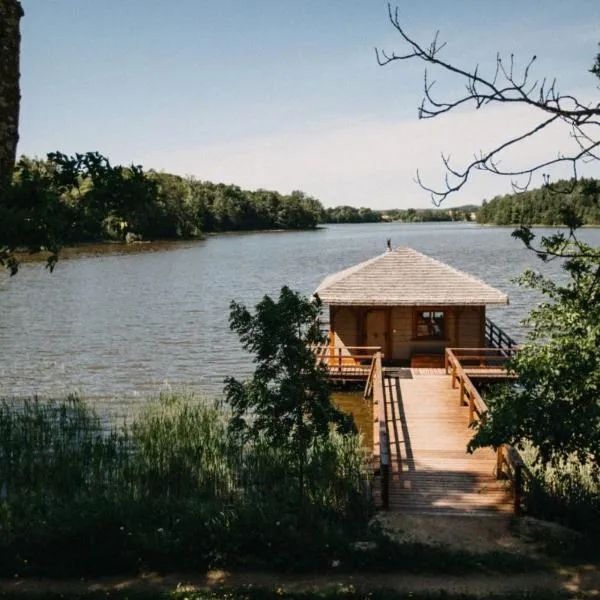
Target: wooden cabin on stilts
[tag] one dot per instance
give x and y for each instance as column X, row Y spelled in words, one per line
column 416, row 331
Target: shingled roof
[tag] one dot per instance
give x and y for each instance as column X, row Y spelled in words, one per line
column 405, row 277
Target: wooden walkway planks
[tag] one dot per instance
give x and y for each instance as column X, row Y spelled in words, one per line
column 430, row 468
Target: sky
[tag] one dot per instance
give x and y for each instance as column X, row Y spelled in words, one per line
column 287, row 94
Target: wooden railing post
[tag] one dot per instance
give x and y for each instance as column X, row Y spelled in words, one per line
column 499, row 461
column 518, row 491
column 471, row 407
column 385, row 485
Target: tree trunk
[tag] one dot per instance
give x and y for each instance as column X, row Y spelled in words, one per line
column 10, row 95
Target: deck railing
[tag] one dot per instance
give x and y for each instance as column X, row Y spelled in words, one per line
column 496, row 337
column 508, row 461
column 381, row 443
column 484, row 358
column 347, row 362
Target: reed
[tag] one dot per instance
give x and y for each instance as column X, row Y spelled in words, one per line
column 568, row 493
column 169, row 489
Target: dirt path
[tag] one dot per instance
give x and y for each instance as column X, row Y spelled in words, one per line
column 520, row 537
column 583, row 581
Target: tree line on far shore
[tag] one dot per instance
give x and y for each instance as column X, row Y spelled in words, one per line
column 84, row 198
column 547, row 205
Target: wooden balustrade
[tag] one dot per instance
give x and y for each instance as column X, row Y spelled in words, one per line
column 381, row 444
column 496, row 337
column 347, row 362
column 508, row 460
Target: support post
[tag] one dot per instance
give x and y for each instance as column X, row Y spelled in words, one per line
column 471, row 408
column 499, row 461
column 385, row 486
column 518, row 489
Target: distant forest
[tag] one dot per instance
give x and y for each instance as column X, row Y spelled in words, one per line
column 421, row 215
column 545, row 205
column 84, row 198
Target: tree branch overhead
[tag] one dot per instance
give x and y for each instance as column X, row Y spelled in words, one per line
column 509, row 85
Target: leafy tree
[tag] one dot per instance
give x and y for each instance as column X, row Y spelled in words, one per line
column 556, row 404
column 32, row 214
column 287, row 401
column 350, row 214
column 548, row 205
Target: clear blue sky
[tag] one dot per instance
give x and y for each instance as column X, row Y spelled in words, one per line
column 283, row 94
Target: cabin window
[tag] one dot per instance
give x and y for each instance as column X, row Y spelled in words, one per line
column 429, row 324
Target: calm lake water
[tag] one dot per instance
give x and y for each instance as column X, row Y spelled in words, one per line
column 123, row 326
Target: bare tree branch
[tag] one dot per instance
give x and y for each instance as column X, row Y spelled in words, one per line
column 508, row 85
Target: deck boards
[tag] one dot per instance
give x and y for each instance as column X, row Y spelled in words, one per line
column 430, row 468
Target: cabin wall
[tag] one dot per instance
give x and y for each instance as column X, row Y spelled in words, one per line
column 343, row 324
column 470, row 325
column 348, row 329
column 471, row 322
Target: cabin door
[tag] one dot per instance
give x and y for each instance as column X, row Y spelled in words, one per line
column 375, row 329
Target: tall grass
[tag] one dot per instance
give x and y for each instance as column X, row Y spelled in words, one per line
column 568, row 493
column 171, row 489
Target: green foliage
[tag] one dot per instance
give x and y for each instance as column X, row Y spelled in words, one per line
column 424, row 215
column 350, row 214
column 556, row 404
column 596, row 66
column 171, row 490
column 287, row 402
column 569, row 493
column 83, row 198
column 561, row 203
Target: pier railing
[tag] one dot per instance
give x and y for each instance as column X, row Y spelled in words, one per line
column 492, row 359
column 496, row 337
column 381, row 442
column 347, row 362
column 509, row 463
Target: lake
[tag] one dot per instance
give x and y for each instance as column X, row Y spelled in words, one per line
column 123, row 324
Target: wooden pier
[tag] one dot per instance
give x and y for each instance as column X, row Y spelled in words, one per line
column 421, row 429
column 421, row 419
column 429, row 320
column 430, row 470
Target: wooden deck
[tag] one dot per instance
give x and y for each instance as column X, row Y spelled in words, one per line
column 430, row 470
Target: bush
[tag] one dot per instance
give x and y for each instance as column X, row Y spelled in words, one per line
column 568, row 493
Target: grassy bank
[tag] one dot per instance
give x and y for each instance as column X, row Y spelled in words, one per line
column 170, row 490
column 173, row 491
